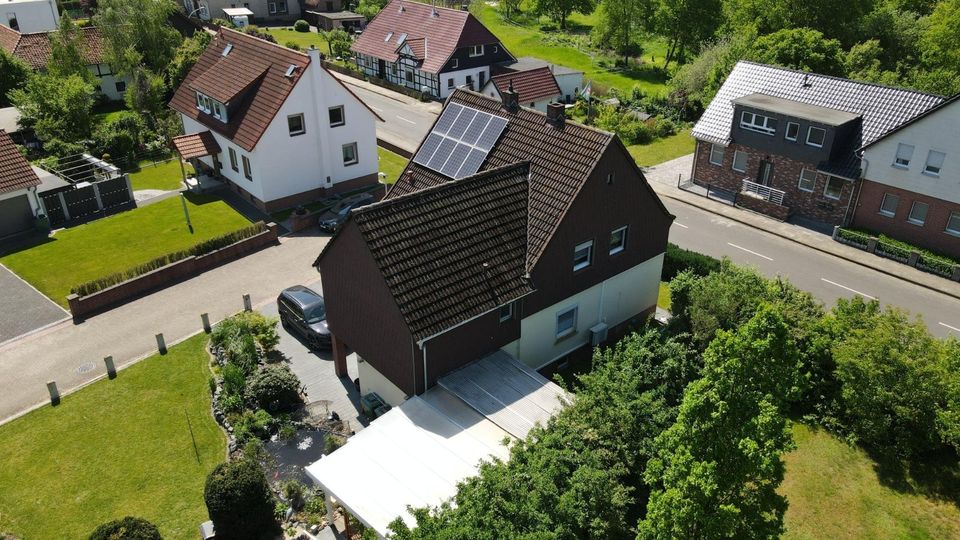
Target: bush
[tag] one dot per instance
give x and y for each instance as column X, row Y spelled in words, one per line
column 292, row 45
column 239, row 501
column 295, row 493
column 275, row 388
column 301, row 26
column 128, row 528
column 253, row 424
column 261, row 327
column 234, row 380
column 242, row 352
column 331, row 443
column 678, row 259
column 664, row 127
column 231, row 403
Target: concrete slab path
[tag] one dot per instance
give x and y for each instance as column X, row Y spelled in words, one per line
column 23, row 309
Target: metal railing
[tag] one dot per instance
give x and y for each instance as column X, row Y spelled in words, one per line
column 761, row 191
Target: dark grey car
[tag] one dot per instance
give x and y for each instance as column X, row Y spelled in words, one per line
column 302, row 310
column 332, row 219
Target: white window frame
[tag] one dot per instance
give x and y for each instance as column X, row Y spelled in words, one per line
column 506, row 316
column 247, row 168
column 356, row 154
column 273, row 7
column 734, row 164
column 914, row 206
column 904, row 155
column 476, row 50
column 826, row 188
column 588, row 245
column 622, row 246
column 752, row 125
column 450, row 83
column 883, row 211
column 955, row 215
column 233, row 159
column 343, row 116
column 786, row 133
column 800, row 182
column 934, row 170
column 303, row 125
column 572, row 329
column 810, row 131
column 713, row 150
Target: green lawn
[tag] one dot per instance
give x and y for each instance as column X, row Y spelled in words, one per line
column 662, row 150
column 116, row 243
column 304, row 40
column 165, row 175
column 570, row 49
column 663, row 297
column 109, row 110
column 391, row 164
column 834, row 492
column 116, row 448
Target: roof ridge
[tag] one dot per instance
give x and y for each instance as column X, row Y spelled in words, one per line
column 568, row 121
column 404, row 2
column 838, row 78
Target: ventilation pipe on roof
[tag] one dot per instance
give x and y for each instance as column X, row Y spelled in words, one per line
column 806, row 80
column 402, row 9
column 511, row 100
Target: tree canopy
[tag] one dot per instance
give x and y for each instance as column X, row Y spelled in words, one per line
column 240, row 502
column 137, row 32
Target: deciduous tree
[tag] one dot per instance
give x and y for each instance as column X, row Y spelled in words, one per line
column 57, row 108
column 560, row 10
column 800, row 48
column 67, row 46
column 137, row 31
column 621, row 22
column 14, row 74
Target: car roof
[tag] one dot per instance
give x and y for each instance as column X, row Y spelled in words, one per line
column 303, row 296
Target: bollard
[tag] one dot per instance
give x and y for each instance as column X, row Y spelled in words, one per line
column 161, row 344
column 54, row 393
column 913, row 259
column 247, row 305
column 205, row 319
column 111, row 369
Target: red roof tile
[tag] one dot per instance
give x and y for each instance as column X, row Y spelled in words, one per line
column 531, row 85
column 35, row 49
column 15, row 171
column 196, row 145
column 9, row 39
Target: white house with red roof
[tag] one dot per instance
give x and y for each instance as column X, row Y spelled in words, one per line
column 274, row 123
column 535, row 88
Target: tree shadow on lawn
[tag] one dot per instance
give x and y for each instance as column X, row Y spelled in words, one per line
column 25, row 243
column 935, row 475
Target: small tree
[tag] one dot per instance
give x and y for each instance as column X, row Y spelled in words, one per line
column 239, row 501
column 13, row 74
column 56, row 107
column 338, row 41
column 128, row 528
column 275, row 388
column 66, row 51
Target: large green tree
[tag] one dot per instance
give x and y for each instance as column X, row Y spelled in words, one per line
column 686, row 24
column 67, row 46
column 560, row 10
column 57, row 108
column 137, row 32
column 621, row 23
column 800, row 48
column 14, row 74
column 186, row 57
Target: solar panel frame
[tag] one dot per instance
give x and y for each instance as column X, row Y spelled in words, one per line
column 458, row 155
column 460, row 141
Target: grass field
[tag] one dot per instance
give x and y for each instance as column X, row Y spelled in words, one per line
column 662, row 150
column 116, row 243
column 116, row 448
column 391, row 164
column 834, row 492
column 663, row 297
column 304, row 40
column 165, row 175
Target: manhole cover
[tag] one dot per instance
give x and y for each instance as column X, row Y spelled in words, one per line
column 84, row 368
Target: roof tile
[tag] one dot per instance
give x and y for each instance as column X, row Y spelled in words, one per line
column 15, row 171
column 196, row 145
column 531, row 85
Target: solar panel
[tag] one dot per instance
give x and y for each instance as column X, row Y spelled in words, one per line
column 460, row 141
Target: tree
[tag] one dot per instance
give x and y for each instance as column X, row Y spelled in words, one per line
column 57, row 108
column 186, row 57
column 66, row 51
column 940, row 49
column 128, row 528
column 694, row 84
column 137, row 32
column 800, row 48
column 338, row 41
column 620, row 23
column 370, row 8
column 509, row 8
column 687, row 24
column 146, row 92
column 14, row 74
column 948, row 417
column 240, row 502
column 559, row 10
column 120, row 137
column 718, row 467
column 275, row 388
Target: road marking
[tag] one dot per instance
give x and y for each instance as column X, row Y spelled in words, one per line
column 406, row 120
column 750, row 252
column 854, row 291
column 678, row 224
column 378, row 109
column 954, row 328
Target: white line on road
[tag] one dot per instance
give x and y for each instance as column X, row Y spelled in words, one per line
column 954, row 328
column 406, row 120
column 378, row 109
column 748, row 251
column 854, row 291
column 678, row 224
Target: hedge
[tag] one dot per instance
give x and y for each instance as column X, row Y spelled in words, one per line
column 677, row 260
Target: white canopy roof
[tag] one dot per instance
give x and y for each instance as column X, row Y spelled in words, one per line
column 238, row 12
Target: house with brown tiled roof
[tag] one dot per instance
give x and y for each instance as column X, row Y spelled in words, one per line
column 19, row 205
column 273, row 123
column 510, row 230
column 426, row 48
column 535, row 88
column 35, row 50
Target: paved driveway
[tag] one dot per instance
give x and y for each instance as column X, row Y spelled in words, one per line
column 23, row 309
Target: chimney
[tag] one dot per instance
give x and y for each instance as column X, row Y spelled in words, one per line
column 511, row 100
column 556, row 114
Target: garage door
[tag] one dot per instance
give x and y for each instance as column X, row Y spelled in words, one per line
column 15, row 215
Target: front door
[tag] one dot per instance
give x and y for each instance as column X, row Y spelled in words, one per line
column 382, row 69
column 765, row 174
column 482, row 79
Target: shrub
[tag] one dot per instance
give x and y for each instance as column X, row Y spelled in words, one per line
column 275, row 388
column 292, row 45
column 128, row 528
column 253, row 424
column 331, row 443
column 261, row 327
column 234, row 380
column 295, row 493
column 231, row 403
column 301, row 26
column 664, row 127
column 678, row 259
column 242, row 352
column 239, row 501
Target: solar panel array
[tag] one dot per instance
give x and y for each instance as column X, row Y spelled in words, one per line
column 460, row 141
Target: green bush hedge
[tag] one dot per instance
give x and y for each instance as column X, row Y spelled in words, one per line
column 301, row 26
column 677, row 260
column 275, row 388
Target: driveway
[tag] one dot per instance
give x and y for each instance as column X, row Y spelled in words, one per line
column 23, row 309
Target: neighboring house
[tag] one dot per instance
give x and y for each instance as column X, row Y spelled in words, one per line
column 344, row 20
column 19, row 204
column 911, row 181
column 535, row 88
column 429, row 49
column 274, row 123
column 262, row 10
column 30, row 16
column 509, row 230
column 35, row 50
column 569, row 80
column 786, row 141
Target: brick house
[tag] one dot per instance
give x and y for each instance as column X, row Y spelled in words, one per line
column 786, row 141
column 510, row 230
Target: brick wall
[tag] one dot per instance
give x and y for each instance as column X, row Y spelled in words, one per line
column 786, row 177
column 930, row 235
column 756, row 204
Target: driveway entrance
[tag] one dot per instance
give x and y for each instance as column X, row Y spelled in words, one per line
column 23, row 309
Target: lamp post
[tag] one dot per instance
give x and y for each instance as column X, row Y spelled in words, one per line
column 186, row 213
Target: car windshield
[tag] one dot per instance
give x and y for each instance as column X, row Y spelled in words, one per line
column 344, row 211
column 315, row 313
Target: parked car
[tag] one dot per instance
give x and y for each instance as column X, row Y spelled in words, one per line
column 332, row 219
column 302, row 310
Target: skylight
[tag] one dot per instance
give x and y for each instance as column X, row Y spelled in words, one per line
column 389, row 35
column 290, row 71
column 227, row 49
column 401, row 39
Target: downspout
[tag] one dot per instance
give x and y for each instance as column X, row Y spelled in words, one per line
column 696, row 156
column 855, row 200
column 423, row 348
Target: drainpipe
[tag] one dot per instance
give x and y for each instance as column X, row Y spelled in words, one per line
column 424, row 349
column 855, row 198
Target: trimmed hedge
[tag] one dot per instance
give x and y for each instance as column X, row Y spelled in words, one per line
column 677, row 260
column 203, row 248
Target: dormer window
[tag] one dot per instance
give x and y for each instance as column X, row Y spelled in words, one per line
column 212, row 107
column 476, row 50
column 758, row 122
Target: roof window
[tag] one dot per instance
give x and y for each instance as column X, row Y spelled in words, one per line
column 389, row 35
column 401, row 39
column 227, row 49
column 290, row 71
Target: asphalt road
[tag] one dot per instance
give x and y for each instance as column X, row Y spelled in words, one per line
column 825, row 276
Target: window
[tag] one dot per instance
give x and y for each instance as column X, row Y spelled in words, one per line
column 567, row 322
column 450, row 82
column 918, row 213
column 247, row 171
column 476, row 50
column 277, row 7
column 12, row 21
column 953, row 224
column 904, row 153
column 618, row 240
column 816, row 136
column 470, row 82
column 121, row 86
column 506, row 312
column 889, row 204
column 582, row 255
column 295, row 124
column 808, row 180
column 336, row 116
column 218, row 111
column 934, row 163
column 716, row 154
column 455, row 63
column 350, row 154
column 793, row 131
column 739, row 161
column 834, row 188
column 233, row 160
column 758, row 123
column 408, row 75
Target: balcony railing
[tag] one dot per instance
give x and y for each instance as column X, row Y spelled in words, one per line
column 761, row 191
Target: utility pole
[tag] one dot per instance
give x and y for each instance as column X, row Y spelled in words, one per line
column 186, row 213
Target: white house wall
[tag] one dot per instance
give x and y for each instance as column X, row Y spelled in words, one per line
column 570, row 84
column 612, row 302
column 107, row 83
column 32, row 15
column 255, row 186
column 260, row 8
column 372, row 380
column 939, row 131
column 490, row 90
column 460, row 79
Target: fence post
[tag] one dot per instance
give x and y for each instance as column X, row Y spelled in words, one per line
column 913, row 259
column 872, row 243
column 247, row 304
column 96, row 195
column 205, row 319
column 111, row 369
column 956, row 272
column 836, row 233
column 54, row 393
column 679, row 178
column 161, row 344
column 63, row 206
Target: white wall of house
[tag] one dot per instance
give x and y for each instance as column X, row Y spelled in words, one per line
column 491, row 90
column 253, row 186
column 612, row 302
column 570, row 85
column 460, row 79
column 372, row 380
column 31, row 15
column 261, row 8
column 107, row 81
column 939, row 132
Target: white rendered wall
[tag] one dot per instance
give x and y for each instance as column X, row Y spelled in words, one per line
column 108, row 83
column 570, row 84
column 460, row 79
column 940, row 131
column 372, row 380
column 255, row 186
column 32, row 15
column 490, row 90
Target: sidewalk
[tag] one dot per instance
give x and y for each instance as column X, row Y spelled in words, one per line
column 663, row 179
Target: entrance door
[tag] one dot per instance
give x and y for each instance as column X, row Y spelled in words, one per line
column 482, row 79
column 382, row 69
column 765, row 174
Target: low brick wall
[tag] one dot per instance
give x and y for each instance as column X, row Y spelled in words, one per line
column 387, row 145
column 121, row 293
column 776, row 211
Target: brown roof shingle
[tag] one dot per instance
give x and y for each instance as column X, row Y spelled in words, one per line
column 15, row 171
column 196, row 145
column 9, row 38
column 531, row 85
column 35, row 49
